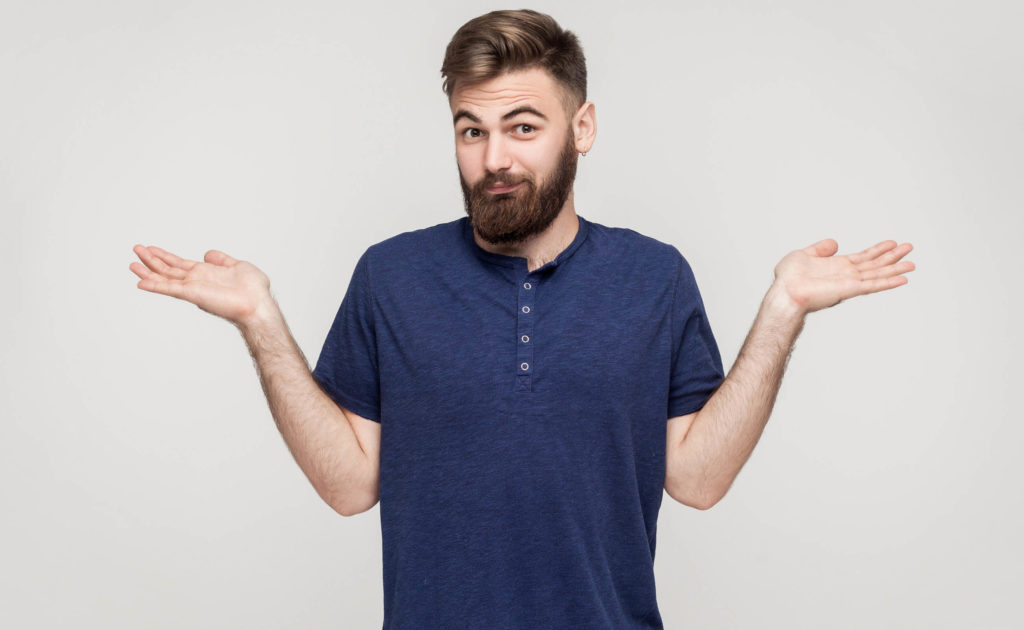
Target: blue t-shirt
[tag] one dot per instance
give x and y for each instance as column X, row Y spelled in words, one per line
column 523, row 421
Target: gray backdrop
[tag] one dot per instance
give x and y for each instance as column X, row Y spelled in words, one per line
column 144, row 483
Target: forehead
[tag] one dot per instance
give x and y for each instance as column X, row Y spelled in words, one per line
column 535, row 87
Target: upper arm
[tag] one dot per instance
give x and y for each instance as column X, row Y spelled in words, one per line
column 677, row 485
column 368, row 434
column 696, row 373
column 347, row 371
column 696, row 363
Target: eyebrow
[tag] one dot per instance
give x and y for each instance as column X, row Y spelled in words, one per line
column 525, row 109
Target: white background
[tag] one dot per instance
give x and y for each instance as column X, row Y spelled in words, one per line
column 144, row 484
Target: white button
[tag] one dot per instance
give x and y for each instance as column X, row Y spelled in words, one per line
column 527, row 286
column 525, row 366
column 526, row 309
column 525, row 338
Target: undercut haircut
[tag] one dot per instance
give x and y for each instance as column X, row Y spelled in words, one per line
column 506, row 41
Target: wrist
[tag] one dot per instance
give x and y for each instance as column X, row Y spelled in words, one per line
column 265, row 314
column 780, row 304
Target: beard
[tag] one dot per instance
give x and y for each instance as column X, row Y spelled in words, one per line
column 519, row 214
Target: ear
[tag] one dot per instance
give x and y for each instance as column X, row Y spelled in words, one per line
column 584, row 127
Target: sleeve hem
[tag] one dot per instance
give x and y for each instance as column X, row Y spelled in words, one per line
column 366, row 410
column 685, row 408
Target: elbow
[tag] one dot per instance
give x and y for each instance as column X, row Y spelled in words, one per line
column 709, row 500
column 699, row 498
column 697, row 504
column 343, row 510
column 349, row 499
column 354, row 505
column 698, row 501
column 705, row 505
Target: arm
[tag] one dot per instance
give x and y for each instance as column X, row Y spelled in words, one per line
column 707, row 449
column 337, row 450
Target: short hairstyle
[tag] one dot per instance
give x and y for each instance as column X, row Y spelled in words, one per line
column 505, row 41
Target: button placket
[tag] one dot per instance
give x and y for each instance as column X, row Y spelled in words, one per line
column 524, row 336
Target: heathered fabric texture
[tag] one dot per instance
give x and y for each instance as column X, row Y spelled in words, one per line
column 523, row 421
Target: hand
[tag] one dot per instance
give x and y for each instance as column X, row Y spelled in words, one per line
column 233, row 289
column 813, row 279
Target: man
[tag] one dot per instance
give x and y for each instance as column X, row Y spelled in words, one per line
column 519, row 387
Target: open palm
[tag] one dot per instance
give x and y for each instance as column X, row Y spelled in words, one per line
column 815, row 279
column 229, row 288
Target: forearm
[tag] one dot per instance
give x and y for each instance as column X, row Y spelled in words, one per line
column 725, row 431
column 314, row 428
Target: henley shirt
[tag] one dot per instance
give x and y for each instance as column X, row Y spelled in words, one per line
column 523, row 421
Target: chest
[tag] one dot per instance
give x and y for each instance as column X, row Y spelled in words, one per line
column 534, row 341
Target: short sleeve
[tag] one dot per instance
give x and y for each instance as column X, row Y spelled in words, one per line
column 347, row 367
column 696, row 363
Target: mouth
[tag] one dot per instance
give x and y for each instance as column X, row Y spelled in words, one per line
column 503, row 188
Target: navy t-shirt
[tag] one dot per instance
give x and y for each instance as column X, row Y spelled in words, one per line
column 523, row 421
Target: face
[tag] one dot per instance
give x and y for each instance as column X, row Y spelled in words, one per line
column 516, row 152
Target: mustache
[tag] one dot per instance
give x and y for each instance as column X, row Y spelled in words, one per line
column 491, row 179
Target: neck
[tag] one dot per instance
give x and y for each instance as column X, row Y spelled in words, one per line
column 542, row 248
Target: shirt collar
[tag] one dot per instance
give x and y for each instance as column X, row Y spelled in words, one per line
column 518, row 262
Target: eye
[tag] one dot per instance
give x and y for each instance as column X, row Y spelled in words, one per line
column 527, row 129
column 470, row 132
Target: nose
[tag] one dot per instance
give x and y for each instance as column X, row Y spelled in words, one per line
column 497, row 156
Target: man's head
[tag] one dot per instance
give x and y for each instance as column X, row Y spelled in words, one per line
column 516, row 84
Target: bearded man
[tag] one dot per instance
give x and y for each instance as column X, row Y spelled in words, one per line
column 519, row 387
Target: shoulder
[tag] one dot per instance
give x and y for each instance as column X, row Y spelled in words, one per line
column 416, row 252
column 633, row 251
column 417, row 242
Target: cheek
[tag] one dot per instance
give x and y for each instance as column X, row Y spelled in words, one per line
column 542, row 159
column 469, row 166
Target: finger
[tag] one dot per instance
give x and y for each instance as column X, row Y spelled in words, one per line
column 140, row 270
column 219, row 258
column 889, row 270
column 171, row 259
column 882, row 284
column 156, row 284
column 147, row 275
column 158, row 265
column 888, row 258
column 824, row 247
column 872, row 252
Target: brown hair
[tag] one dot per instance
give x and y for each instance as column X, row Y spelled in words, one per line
column 506, row 41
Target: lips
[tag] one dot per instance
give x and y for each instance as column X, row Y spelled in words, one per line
column 503, row 188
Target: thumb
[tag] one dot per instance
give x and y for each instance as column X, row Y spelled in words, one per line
column 824, row 247
column 219, row 258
